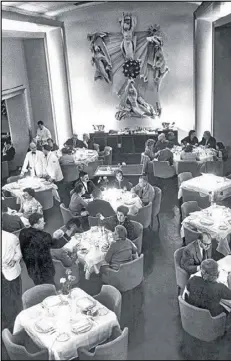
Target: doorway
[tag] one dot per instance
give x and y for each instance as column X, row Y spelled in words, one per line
column 18, row 123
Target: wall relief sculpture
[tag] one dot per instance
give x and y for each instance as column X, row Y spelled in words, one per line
column 137, row 57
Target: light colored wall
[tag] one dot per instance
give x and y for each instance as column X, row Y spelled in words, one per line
column 93, row 102
column 38, row 82
column 222, row 85
column 203, row 75
column 14, row 71
column 59, row 86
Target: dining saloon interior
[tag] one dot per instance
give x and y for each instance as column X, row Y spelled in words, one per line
column 116, row 180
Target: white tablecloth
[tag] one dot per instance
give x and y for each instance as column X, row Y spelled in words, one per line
column 92, row 241
column 221, row 218
column 208, row 184
column 202, row 154
column 101, row 327
column 224, row 270
column 82, row 156
column 118, row 197
column 38, row 184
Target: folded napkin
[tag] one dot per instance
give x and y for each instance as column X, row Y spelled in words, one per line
column 82, row 325
column 44, row 325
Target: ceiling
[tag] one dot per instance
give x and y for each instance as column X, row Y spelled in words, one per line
column 44, row 8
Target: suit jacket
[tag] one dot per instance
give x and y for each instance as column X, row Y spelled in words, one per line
column 192, row 257
column 35, row 247
column 11, row 222
column 89, row 189
column 100, row 206
column 52, row 167
column 211, row 143
column 120, row 252
column 165, row 155
column 10, row 153
column 207, row 295
column 146, row 194
column 71, row 142
column 111, row 222
column 35, row 163
column 187, row 140
column 120, row 185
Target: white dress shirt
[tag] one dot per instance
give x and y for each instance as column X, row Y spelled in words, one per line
column 10, row 252
column 43, row 134
column 35, row 163
column 52, row 167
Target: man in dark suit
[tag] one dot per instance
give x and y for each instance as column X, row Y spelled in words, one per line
column 10, row 222
column 89, row 186
column 196, row 252
column 208, row 140
column 100, row 206
column 74, row 142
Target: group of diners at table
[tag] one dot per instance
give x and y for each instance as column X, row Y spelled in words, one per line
column 85, row 199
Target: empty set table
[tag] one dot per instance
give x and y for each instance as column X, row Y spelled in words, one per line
column 62, row 324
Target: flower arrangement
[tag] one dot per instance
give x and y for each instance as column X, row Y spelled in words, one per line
column 66, row 282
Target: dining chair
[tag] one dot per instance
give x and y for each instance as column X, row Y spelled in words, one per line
column 189, row 207
column 111, row 298
column 182, row 177
column 144, row 216
column 17, row 346
column 66, row 214
column 138, row 231
column 213, row 167
column 45, row 198
column 5, row 170
column 156, row 203
column 60, row 272
column 91, row 167
column 11, row 202
column 162, row 169
column 199, row 323
column 188, row 195
column 116, row 348
column 190, row 235
column 37, row 294
column 12, row 179
column 127, row 277
column 182, row 276
column 183, row 166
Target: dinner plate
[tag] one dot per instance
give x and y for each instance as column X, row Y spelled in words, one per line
column 63, row 337
column 52, row 301
column 206, row 221
column 102, row 311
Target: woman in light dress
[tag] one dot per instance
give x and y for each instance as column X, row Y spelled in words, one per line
column 29, row 205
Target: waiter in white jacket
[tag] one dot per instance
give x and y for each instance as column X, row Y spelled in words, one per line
column 52, row 169
column 34, row 162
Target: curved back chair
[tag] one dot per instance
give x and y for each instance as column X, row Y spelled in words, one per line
column 116, row 348
column 129, row 275
column 138, row 230
column 37, row 294
column 182, row 276
column 66, row 213
column 189, row 207
column 182, row 177
column 5, row 170
column 188, row 195
column 190, row 235
column 199, row 323
column 15, row 346
column 111, row 298
column 188, row 166
column 45, row 198
column 91, row 167
column 60, row 272
column 144, row 216
column 162, row 169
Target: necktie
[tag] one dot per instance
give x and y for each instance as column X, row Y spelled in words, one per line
column 204, row 254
